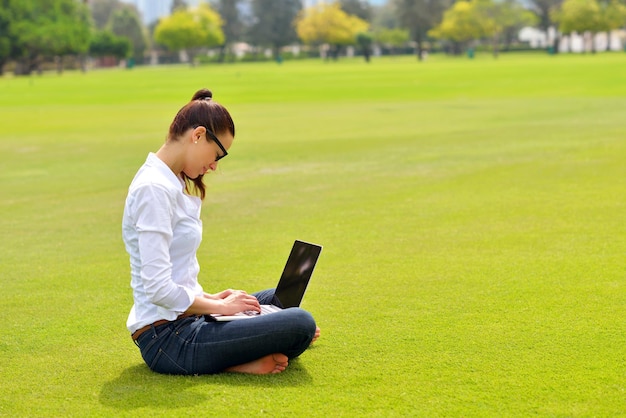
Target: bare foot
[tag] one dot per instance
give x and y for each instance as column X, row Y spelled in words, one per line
column 270, row 364
column 317, row 335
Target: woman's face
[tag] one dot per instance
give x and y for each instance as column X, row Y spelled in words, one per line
column 203, row 154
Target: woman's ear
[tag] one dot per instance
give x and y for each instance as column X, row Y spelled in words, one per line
column 198, row 133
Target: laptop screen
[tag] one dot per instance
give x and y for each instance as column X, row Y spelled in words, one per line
column 296, row 274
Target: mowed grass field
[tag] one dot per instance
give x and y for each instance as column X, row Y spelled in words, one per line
column 472, row 213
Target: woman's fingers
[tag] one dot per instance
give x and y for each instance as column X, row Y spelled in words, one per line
column 240, row 301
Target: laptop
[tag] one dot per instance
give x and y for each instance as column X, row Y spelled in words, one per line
column 292, row 284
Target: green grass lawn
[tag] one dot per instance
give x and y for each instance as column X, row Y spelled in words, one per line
column 472, row 212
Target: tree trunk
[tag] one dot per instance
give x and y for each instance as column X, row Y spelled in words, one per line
column 192, row 56
column 26, row 66
column 276, row 53
column 555, row 45
column 59, row 62
column 495, row 46
column 418, row 42
column 457, row 48
column 592, row 39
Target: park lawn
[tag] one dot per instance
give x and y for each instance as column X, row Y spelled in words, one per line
column 472, row 214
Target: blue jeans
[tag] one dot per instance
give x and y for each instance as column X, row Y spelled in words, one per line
column 198, row 345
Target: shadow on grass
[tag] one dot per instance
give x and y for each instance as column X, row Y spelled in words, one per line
column 138, row 387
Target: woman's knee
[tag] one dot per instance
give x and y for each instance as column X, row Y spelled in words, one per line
column 303, row 319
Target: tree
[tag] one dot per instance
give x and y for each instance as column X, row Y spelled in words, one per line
column 41, row 29
column 498, row 17
column 462, row 23
column 178, row 5
column 543, row 10
column 5, row 41
column 233, row 27
column 359, row 8
column 588, row 17
column 386, row 27
column 200, row 27
column 127, row 23
column 612, row 16
column 71, row 32
column 419, row 16
column 392, row 38
column 514, row 18
column 327, row 23
column 102, row 10
column 385, row 16
column 273, row 25
column 106, row 44
column 581, row 16
column 364, row 40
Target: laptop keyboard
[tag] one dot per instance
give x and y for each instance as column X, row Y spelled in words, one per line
column 265, row 309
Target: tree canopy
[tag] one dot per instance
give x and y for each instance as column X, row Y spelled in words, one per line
column 471, row 20
column 392, row 38
column 190, row 28
column 105, row 43
column 461, row 23
column 274, row 23
column 498, row 17
column 419, row 16
column 328, row 23
column 34, row 29
column 35, row 33
column 589, row 16
column 126, row 22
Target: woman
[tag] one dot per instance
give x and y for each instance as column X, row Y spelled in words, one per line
column 170, row 320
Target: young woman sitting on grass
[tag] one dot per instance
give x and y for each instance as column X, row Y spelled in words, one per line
column 170, row 320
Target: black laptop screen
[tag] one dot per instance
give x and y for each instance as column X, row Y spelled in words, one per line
column 296, row 275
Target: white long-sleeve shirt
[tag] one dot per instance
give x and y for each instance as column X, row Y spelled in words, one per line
column 162, row 230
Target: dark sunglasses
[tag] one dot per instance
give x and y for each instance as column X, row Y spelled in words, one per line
column 219, row 144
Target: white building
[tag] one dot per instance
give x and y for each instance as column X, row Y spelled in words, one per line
column 574, row 42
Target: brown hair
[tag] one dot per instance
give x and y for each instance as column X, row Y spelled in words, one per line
column 201, row 111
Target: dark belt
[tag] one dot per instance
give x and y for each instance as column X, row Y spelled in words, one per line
column 140, row 331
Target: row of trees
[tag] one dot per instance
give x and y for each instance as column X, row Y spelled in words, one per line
column 332, row 26
column 36, row 31
column 497, row 22
column 467, row 21
column 590, row 17
column 455, row 24
column 264, row 23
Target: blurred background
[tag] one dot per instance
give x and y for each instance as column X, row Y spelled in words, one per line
column 39, row 35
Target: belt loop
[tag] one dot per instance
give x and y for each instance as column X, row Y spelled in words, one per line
column 153, row 331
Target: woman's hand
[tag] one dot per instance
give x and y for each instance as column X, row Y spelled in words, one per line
column 218, row 296
column 234, row 301
column 226, row 302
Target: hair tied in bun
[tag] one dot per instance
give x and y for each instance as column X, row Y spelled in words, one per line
column 203, row 94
